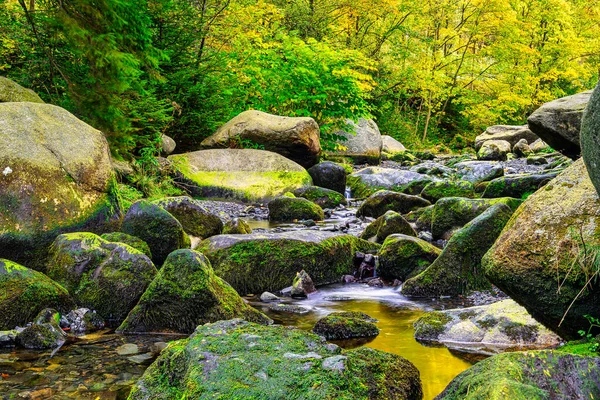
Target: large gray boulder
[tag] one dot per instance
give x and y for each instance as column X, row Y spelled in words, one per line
column 362, row 146
column 369, row 180
column 558, row 123
column 329, row 175
column 296, row 138
column 390, row 147
column 55, row 176
column 11, row 91
column 241, row 174
column 494, row 150
column 479, row 171
column 509, row 133
column 590, row 138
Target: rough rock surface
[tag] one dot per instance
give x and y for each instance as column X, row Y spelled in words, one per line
column 384, row 200
column 494, row 150
column 590, row 138
column 346, row 325
column 329, row 175
column 402, row 257
column 510, row 133
column 369, row 180
column 11, row 91
column 195, row 219
column 364, row 145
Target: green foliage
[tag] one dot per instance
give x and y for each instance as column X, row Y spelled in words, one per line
column 594, row 343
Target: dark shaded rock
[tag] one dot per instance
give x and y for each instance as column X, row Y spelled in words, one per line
column 329, row 175
column 517, row 185
column 303, row 285
column 83, row 320
column 194, row 218
column 402, row 257
column 346, row 325
column 389, row 223
column 290, row 208
column 384, row 200
column 522, row 149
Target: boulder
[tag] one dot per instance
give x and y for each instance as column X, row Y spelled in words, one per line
column 296, row 138
column 240, row 360
column 478, row 171
column 488, row 329
column 590, row 138
column 440, row 189
column 494, row 150
column 384, row 200
column 511, row 134
column 241, row 174
column 107, row 277
column 389, row 223
column 187, row 293
column 369, row 180
column 433, row 168
column 329, row 175
column 194, row 218
column 11, row 91
column 41, row 337
column 539, row 146
column 519, row 185
column 522, row 149
column 390, row 147
column 452, row 213
column 558, row 123
column 542, row 374
column 236, row 226
column 550, row 240
column 363, row 145
column 84, row 320
column 457, row 270
column 129, row 240
column 56, row 176
column 167, row 144
column 402, row 257
column 264, row 262
column 268, row 297
column 25, row 292
column 346, row 325
column 285, row 209
column 158, row 228
column 303, row 285
column 322, row 197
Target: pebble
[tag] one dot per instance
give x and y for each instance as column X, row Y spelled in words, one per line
column 127, row 349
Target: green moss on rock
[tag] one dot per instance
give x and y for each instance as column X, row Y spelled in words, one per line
column 384, row 200
column 11, row 91
column 431, row 325
column 129, row 240
column 346, row 325
column 194, row 218
column 388, row 224
column 441, row 189
column 402, row 257
column 325, row 198
column 517, row 185
column 236, row 226
column 285, row 209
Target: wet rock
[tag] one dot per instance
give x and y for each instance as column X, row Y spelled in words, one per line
column 136, row 243
column 8, row 338
column 346, row 325
column 402, row 257
column 303, row 285
column 438, row 190
column 521, row 149
column 384, row 200
column 128, row 349
column 44, row 333
column 329, row 175
column 268, row 297
column 369, row 180
column 389, row 223
column 494, row 150
column 141, row 358
column 185, row 293
column 212, row 361
column 518, row 185
column 158, row 228
column 236, row 226
column 479, row 171
column 83, row 320
column 322, row 197
column 348, row 279
column 195, row 219
column 375, row 282
column 288, row 308
column 289, row 209
column 363, row 145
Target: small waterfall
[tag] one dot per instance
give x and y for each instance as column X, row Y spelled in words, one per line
column 347, row 193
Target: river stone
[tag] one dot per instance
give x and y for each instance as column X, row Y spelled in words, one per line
column 41, row 336
column 187, row 293
column 194, row 218
column 11, row 91
column 542, row 374
column 216, row 359
column 322, row 197
column 83, row 320
column 296, row 138
column 384, row 200
column 241, row 174
column 539, row 146
column 56, row 177
column 302, row 285
column 329, row 175
column 236, row 226
column 558, row 123
column 369, row 180
column 127, row 349
column 346, row 325
column 268, row 297
column 487, row 329
column 440, row 189
column 402, row 257
column 519, row 185
column 433, row 169
column 457, row 270
column 284, row 209
column 8, row 338
column 494, row 150
column 289, row 308
column 590, row 138
column 390, row 147
column 129, row 240
column 537, row 249
column 452, row 213
column 167, row 144
column 479, row 171
column 363, row 145
column 522, row 149
column 158, row 228
column 509, row 133
column 265, row 261
column 389, row 223
column 25, row 292
column 104, row 276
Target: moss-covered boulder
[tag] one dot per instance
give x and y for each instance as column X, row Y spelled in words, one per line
column 440, row 189
column 329, row 175
column 236, row 226
column 296, row 138
column 590, row 138
column 346, row 325
column 402, row 257
column 56, row 176
column 265, row 262
column 129, row 240
column 185, row 293
column 157, row 227
column 369, row 180
column 292, row 208
column 494, row 150
column 362, row 143
column 452, row 213
column 41, row 336
column 553, row 238
column 241, row 174
column 322, row 197
column 384, row 200
column 194, row 218
column 25, row 292
column 389, row 223
column 11, row 91
column 390, row 147
column 458, row 268
column 487, row 329
column 517, row 186
column 531, row 375
column 104, row 276
column 240, row 360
